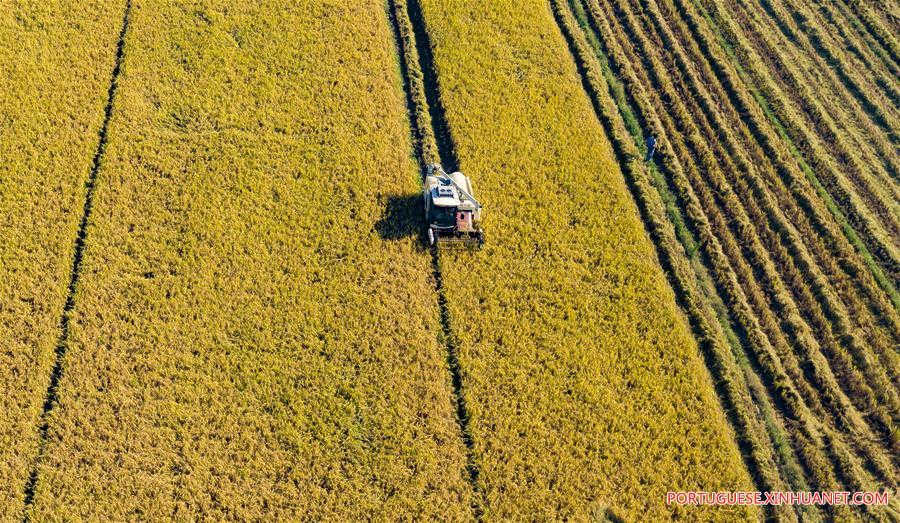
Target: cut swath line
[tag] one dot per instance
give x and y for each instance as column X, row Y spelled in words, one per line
column 439, row 137
column 619, row 98
column 445, row 143
column 874, row 266
column 80, row 239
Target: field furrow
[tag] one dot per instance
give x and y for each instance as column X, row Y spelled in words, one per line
column 885, row 71
column 57, row 58
column 857, row 86
column 759, row 397
column 865, row 356
column 840, row 10
column 883, row 310
column 256, row 332
column 858, row 133
column 858, row 314
column 782, row 118
column 819, row 391
column 555, row 338
column 794, row 328
column 809, row 194
column 883, row 32
column 802, row 221
column 820, row 74
column 865, row 192
column 853, row 57
column 873, row 100
column 802, row 293
column 726, row 215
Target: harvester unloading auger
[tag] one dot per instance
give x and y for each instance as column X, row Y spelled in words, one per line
column 451, row 211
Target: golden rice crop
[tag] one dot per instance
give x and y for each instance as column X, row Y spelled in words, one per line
column 56, row 58
column 252, row 337
column 583, row 384
column 256, row 331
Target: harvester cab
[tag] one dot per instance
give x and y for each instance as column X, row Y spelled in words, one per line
column 451, row 211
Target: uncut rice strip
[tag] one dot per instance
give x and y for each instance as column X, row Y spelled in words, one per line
column 583, row 379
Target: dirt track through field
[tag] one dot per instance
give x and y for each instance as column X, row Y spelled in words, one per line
column 80, row 239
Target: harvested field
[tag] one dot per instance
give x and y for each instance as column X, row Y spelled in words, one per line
column 786, row 215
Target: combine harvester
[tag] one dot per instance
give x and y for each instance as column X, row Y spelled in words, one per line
column 451, row 211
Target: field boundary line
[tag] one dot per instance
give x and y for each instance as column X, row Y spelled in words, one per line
column 433, row 141
column 51, row 399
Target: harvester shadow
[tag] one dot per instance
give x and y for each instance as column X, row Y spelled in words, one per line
column 402, row 218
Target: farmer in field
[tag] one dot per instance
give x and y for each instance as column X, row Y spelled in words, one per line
column 651, row 147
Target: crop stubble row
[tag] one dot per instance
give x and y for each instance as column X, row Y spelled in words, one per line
column 736, row 383
column 799, row 290
column 729, row 284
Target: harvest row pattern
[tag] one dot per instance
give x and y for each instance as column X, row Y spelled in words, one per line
column 808, row 324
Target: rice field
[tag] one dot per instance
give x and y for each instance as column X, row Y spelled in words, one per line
column 552, row 328
column 56, row 59
column 217, row 300
column 235, row 344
